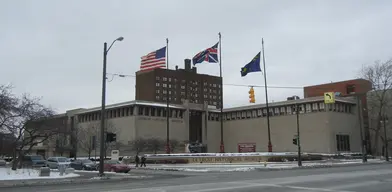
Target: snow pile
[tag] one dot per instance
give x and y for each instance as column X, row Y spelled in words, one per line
column 25, row 174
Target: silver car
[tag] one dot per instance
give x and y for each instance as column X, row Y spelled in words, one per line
column 56, row 162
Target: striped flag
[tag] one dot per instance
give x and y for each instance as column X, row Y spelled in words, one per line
column 153, row 60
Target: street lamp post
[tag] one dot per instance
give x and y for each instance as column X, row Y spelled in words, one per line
column 384, row 122
column 102, row 143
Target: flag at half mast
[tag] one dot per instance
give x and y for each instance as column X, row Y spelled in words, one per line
column 153, row 60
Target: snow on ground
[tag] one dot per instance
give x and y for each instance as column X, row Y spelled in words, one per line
column 249, row 167
column 24, row 174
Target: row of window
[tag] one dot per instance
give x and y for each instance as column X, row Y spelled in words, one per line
column 129, row 111
column 243, row 114
column 283, row 110
column 169, row 79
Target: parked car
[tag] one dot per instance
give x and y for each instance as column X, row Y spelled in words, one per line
column 83, row 164
column 116, row 166
column 55, row 162
column 33, row 161
column 2, row 163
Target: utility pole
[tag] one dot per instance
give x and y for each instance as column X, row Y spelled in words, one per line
column 385, row 121
column 360, row 121
column 102, row 135
column 298, row 137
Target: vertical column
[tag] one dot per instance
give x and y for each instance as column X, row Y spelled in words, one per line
column 186, row 118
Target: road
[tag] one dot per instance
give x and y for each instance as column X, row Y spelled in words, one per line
column 368, row 178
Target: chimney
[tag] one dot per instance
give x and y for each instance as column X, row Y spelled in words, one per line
column 176, row 67
column 194, row 70
column 187, row 64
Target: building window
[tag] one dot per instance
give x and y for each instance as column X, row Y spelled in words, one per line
column 157, row 97
column 164, row 79
column 180, row 114
column 314, row 106
column 343, row 142
column 254, row 113
column 169, row 79
column 277, row 111
column 321, row 106
column 147, row 111
column 288, row 109
column 308, row 107
column 282, row 110
column 350, row 89
column 271, row 112
column 264, row 112
column 159, row 112
column 259, row 113
column 157, row 84
column 164, row 85
column 140, row 110
column 130, row 111
column 248, row 114
column 157, row 78
column 157, row 91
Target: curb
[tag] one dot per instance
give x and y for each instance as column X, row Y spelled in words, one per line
column 22, row 183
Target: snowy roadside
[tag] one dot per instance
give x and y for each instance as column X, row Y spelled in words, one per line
column 27, row 174
column 253, row 166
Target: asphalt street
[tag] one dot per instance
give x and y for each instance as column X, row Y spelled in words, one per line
column 367, row 178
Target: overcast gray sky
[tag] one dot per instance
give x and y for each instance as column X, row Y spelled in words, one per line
column 54, row 49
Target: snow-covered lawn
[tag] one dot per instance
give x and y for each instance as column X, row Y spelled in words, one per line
column 249, row 166
column 24, row 174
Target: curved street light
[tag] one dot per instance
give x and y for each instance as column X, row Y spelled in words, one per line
column 102, row 148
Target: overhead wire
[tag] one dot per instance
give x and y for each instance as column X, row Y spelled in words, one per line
column 226, row 84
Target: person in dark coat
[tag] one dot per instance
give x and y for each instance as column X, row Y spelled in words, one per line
column 143, row 161
column 137, row 160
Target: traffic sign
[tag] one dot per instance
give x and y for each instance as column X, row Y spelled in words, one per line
column 329, row 97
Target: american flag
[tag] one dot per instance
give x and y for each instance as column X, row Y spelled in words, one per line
column 156, row 59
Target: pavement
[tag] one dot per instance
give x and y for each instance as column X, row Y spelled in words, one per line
column 365, row 178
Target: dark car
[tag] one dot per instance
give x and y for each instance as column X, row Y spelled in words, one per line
column 33, row 161
column 83, row 164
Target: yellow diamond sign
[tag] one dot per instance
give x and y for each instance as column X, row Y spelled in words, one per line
column 329, row 97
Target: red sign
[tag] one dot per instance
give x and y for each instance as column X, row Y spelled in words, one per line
column 246, row 147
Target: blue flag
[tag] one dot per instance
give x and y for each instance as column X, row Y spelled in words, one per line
column 253, row 66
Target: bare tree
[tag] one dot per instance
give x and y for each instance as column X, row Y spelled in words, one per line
column 87, row 138
column 174, row 144
column 155, row 144
column 138, row 145
column 379, row 99
column 26, row 119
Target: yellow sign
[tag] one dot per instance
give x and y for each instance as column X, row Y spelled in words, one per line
column 329, row 97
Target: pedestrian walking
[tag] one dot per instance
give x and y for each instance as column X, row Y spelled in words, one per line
column 143, row 161
column 137, row 160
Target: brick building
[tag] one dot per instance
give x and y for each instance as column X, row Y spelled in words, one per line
column 180, row 84
column 354, row 87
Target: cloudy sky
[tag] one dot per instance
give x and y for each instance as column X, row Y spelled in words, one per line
column 53, row 49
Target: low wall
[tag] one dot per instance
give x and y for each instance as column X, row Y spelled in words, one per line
column 226, row 157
